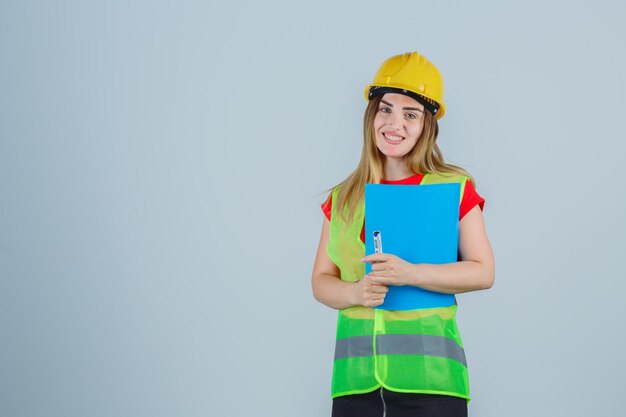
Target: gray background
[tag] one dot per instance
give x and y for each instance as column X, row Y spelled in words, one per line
column 162, row 166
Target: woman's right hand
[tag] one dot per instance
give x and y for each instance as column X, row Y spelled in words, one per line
column 368, row 293
column 329, row 289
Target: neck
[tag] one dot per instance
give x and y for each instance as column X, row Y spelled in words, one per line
column 396, row 169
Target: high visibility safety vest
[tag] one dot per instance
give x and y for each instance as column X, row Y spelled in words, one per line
column 417, row 351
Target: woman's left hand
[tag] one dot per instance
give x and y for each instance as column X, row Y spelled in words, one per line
column 390, row 269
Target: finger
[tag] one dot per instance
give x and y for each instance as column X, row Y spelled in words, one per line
column 379, row 289
column 379, row 266
column 374, row 277
column 376, row 257
column 375, row 301
column 373, row 287
column 381, row 280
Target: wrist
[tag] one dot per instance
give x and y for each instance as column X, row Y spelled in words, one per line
column 351, row 293
column 416, row 274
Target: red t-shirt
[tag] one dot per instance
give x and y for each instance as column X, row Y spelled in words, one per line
column 470, row 198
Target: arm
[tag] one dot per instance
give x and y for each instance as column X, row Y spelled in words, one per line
column 476, row 271
column 329, row 289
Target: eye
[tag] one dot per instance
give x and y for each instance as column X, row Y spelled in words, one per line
column 384, row 110
column 411, row 116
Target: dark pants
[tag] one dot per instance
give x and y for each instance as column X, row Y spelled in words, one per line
column 387, row 403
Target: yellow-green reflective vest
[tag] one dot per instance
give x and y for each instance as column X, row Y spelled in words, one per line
column 417, row 351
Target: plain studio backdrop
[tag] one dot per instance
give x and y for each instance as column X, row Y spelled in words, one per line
column 162, row 166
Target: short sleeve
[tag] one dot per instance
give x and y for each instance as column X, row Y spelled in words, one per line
column 327, row 206
column 471, row 198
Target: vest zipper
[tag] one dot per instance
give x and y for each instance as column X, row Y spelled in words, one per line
column 383, row 400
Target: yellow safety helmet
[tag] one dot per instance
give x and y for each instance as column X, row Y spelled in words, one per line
column 413, row 75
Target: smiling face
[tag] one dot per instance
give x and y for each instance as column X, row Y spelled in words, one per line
column 398, row 124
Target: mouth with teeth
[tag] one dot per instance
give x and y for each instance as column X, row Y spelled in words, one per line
column 393, row 139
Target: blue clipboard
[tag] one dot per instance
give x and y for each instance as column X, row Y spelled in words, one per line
column 418, row 223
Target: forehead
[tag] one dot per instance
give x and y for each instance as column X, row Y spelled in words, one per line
column 400, row 100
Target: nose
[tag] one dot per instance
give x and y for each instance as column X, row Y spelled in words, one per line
column 395, row 121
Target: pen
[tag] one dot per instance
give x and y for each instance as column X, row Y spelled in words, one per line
column 378, row 242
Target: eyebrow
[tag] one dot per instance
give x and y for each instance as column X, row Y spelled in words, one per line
column 403, row 108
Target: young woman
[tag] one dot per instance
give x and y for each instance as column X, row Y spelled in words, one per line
column 411, row 362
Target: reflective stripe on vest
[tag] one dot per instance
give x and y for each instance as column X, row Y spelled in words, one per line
column 400, row 344
column 408, row 351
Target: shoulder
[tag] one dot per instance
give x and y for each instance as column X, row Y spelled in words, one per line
column 327, row 206
column 470, row 199
column 444, row 177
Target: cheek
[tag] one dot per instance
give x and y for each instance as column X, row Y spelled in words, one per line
column 417, row 131
column 378, row 122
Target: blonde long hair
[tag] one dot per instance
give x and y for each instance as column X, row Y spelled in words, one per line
column 425, row 157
